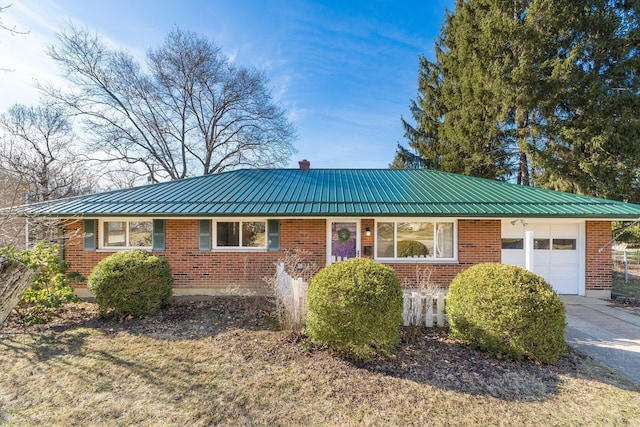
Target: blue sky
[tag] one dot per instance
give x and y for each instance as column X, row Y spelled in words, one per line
column 344, row 70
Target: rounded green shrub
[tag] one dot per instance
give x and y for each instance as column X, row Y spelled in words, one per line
column 410, row 248
column 355, row 307
column 134, row 283
column 507, row 311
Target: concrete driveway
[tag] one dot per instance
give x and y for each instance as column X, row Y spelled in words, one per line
column 607, row 333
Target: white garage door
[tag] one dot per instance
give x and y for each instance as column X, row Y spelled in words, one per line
column 556, row 255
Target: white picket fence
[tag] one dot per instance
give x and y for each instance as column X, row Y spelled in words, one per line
column 420, row 308
column 423, row 308
column 292, row 295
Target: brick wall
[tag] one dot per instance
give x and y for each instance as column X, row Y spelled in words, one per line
column 309, row 235
column 599, row 262
column 226, row 270
column 78, row 259
column 367, row 240
column 478, row 241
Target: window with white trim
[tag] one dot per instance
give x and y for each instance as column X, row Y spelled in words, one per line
column 415, row 239
column 240, row 234
column 127, row 234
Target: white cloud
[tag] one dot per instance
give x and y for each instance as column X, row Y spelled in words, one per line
column 25, row 54
column 232, row 55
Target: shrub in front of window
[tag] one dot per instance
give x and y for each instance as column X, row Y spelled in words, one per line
column 507, row 311
column 355, row 307
column 132, row 282
column 411, row 248
column 393, row 237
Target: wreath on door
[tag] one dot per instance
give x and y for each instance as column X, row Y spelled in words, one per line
column 344, row 235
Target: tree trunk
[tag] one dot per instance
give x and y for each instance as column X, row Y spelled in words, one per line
column 523, row 169
column 522, row 123
column 15, row 278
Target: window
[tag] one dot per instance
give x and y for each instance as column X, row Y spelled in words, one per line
column 564, row 244
column 508, row 243
column 228, row 234
column 415, row 239
column 241, row 234
column 541, row 244
column 127, row 234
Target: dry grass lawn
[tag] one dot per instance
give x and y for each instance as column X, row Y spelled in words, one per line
column 630, row 288
column 222, row 362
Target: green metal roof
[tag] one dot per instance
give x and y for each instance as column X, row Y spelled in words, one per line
column 335, row 192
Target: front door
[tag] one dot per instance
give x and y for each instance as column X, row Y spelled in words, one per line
column 343, row 241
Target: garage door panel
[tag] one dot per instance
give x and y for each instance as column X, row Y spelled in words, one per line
column 542, row 270
column 564, row 271
column 541, row 257
column 540, row 230
column 565, row 257
column 559, row 260
column 565, row 286
column 569, row 230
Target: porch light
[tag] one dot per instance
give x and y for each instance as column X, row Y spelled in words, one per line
column 367, row 231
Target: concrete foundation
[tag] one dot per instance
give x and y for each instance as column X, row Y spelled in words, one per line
column 84, row 293
column 598, row 293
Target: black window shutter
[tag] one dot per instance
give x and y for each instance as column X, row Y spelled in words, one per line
column 89, row 241
column 158, row 235
column 273, row 235
column 204, row 238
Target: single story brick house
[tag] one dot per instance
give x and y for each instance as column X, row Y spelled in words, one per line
column 226, row 231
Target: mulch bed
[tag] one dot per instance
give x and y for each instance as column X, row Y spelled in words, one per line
column 182, row 319
column 626, row 301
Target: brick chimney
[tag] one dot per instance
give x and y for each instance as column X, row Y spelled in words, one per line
column 304, row 164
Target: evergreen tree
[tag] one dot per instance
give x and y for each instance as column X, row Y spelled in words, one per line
column 593, row 137
column 543, row 91
column 472, row 91
column 426, row 146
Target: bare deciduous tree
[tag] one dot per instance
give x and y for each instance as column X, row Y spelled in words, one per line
column 119, row 175
column 36, row 149
column 12, row 30
column 37, row 163
column 189, row 111
column 11, row 195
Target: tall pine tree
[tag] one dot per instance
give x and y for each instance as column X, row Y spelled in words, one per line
column 426, row 145
column 592, row 143
column 543, row 92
